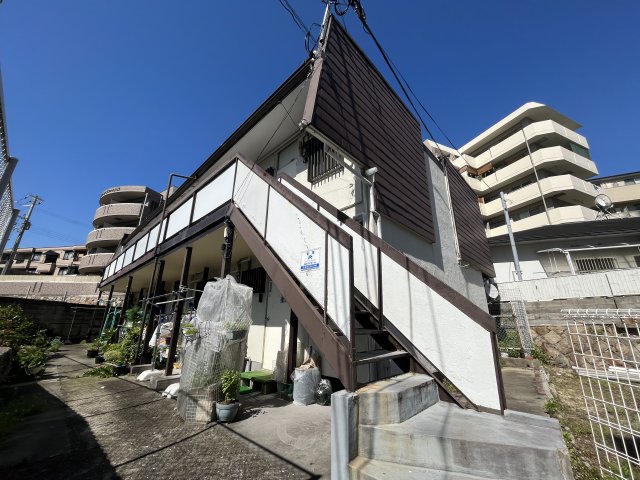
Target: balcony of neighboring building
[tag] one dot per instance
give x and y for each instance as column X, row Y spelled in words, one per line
column 94, row 262
column 567, row 214
column 546, row 133
column 567, row 188
column 107, row 237
column 117, row 214
column 555, row 160
column 129, row 194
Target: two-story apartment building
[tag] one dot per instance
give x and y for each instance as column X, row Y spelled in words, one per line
column 536, row 157
column 63, row 260
column 359, row 243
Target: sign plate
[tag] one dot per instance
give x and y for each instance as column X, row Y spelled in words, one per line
column 310, row 260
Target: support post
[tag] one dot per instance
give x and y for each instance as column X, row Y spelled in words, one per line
column 175, row 335
column 127, row 295
column 227, row 248
column 201, row 284
column 147, row 312
column 292, row 352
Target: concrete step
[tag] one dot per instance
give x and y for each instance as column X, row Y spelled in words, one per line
column 531, row 419
column 160, row 382
column 445, row 437
column 362, row 468
column 396, row 399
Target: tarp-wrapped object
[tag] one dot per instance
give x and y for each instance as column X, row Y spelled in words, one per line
column 223, row 320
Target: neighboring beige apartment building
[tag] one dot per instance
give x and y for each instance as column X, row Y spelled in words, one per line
column 120, row 212
column 535, row 156
column 624, row 191
column 45, row 260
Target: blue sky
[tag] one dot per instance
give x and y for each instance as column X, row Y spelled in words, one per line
column 105, row 93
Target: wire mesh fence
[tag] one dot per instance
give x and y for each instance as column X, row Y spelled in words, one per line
column 607, row 360
column 512, row 322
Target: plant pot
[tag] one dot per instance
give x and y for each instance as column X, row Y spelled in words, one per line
column 119, row 370
column 35, row 371
column 92, row 352
column 98, row 359
column 235, row 334
column 227, row 412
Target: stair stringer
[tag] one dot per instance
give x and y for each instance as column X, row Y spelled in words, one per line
column 327, row 342
column 456, row 336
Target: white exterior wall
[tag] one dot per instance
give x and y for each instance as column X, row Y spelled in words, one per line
column 438, row 258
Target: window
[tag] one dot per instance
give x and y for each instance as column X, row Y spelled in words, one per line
column 637, row 259
column 255, row 278
column 596, row 264
column 36, row 257
column 69, row 255
column 63, row 271
column 321, row 160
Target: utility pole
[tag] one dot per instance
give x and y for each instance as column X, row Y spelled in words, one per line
column 516, row 261
column 35, row 200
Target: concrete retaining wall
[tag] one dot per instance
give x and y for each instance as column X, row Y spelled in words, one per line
column 73, row 289
column 57, row 317
column 548, row 313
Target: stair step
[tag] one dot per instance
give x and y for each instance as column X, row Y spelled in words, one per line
column 396, row 399
column 362, row 468
column 370, row 331
column 378, row 356
column 469, row 442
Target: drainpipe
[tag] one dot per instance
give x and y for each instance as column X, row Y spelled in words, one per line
column 569, row 261
column 516, row 261
column 535, row 172
column 372, row 210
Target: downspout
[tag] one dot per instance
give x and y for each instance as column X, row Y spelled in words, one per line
column 456, row 244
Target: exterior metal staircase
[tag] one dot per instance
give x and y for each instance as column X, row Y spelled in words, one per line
column 369, row 309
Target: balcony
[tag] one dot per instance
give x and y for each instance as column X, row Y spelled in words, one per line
column 45, row 268
column 571, row 189
column 553, row 159
column 547, row 128
column 117, row 213
column 573, row 213
column 94, row 263
column 107, row 237
column 128, row 194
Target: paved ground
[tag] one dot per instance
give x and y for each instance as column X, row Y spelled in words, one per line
column 525, row 386
column 116, row 428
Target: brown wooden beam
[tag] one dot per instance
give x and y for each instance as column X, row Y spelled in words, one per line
column 336, row 354
column 292, row 351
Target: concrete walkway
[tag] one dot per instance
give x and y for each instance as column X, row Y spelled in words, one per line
column 525, row 386
column 117, row 428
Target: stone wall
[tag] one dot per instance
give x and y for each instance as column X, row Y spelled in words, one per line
column 58, row 317
column 555, row 341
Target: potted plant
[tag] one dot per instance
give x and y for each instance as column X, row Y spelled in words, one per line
column 190, row 332
column 32, row 358
column 227, row 410
column 235, row 330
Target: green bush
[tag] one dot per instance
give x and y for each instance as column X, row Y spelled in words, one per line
column 123, row 352
column 540, row 355
column 552, row 407
column 16, row 329
column 55, row 344
column 103, row 371
column 31, row 356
